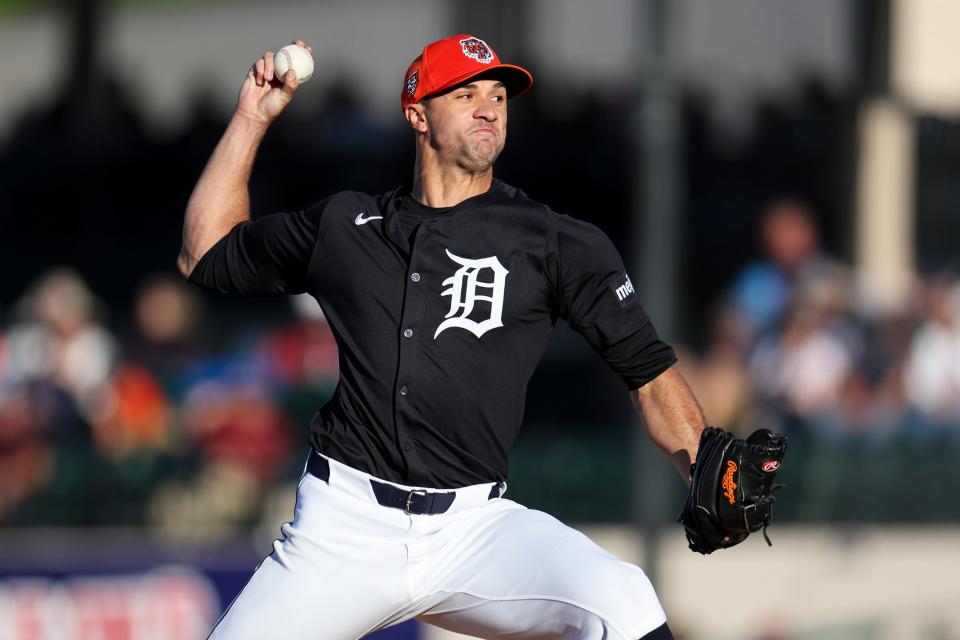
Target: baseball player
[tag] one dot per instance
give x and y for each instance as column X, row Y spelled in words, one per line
column 441, row 294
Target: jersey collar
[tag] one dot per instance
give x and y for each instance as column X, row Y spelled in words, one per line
column 392, row 201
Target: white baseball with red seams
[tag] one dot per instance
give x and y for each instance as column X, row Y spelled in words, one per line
column 296, row 57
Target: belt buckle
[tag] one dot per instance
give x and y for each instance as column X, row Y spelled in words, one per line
column 406, row 506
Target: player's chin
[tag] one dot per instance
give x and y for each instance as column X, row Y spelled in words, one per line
column 482, row 154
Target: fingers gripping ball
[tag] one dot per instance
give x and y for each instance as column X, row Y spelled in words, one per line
column 294, row 57
column 731, row 490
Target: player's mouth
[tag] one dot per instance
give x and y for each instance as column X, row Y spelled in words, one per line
column 486, row 130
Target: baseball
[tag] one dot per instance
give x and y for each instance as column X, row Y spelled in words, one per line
column 294, row 56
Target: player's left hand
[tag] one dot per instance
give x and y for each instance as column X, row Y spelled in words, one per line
column 731, row 488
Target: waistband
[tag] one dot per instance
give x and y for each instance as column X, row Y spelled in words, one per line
column 412, row 500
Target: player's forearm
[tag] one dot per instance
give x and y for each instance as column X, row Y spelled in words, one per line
column 672, row 417
column 220, row 199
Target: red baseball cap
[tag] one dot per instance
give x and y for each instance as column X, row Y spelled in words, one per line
column 454, row 60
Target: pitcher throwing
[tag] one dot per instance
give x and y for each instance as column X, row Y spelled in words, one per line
column 441, row 294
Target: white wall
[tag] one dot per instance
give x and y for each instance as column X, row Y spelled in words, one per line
column 167, row 53
column 733, row 49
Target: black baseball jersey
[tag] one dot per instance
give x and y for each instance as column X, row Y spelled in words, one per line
column 440, row 317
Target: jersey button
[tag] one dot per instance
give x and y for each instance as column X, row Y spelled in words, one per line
column 415, row 276
column 408, row 333
column 403, row 390
column 406, row 446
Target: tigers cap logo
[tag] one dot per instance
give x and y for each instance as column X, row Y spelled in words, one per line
column 477, row 49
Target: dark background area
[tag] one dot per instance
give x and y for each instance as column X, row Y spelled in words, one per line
column 90, row 185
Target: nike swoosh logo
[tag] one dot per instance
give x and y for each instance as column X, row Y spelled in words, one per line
column 364, row 220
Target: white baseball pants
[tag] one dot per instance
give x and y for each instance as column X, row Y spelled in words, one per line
column 347, row 566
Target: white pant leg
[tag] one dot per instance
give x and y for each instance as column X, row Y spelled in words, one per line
column 337, row 574
column 504, row 571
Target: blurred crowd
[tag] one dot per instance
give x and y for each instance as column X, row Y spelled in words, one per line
column 797, row 344
column 154, row 424
column 161, row 423
column 131, row 398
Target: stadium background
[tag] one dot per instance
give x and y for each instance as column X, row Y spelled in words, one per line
column 779, row 175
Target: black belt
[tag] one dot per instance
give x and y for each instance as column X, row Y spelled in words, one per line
column 414, row 501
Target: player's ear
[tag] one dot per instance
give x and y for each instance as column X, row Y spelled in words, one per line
column 416, row 116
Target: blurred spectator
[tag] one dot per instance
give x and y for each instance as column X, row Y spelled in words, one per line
column 873, row 401
column 59, row 359
column 303, row 354
column 804, row 367
column 26, row 455
column 244, row 440
column 134, row 415
column 167, row 340
column 762, row 292
column 793, row 309
column 60, row 340
column 303, row 360
column 240, row 424
column 933, row 366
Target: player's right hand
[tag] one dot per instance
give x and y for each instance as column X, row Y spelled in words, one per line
column 263, row 95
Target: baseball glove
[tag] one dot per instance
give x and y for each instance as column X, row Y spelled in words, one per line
column 731, row 490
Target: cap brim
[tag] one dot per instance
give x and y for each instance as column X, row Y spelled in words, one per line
column 516, row 79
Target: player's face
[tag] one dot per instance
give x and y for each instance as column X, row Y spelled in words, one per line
column 468, row 125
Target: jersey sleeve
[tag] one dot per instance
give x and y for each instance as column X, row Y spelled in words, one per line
column 593, row 293
column 266, row 256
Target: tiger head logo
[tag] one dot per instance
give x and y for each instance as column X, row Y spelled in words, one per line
column 477, row 49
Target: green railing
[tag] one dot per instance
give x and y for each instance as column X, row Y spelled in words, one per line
column 899, row 479
column 579, row 477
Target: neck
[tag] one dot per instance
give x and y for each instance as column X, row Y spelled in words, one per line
column 436, row 185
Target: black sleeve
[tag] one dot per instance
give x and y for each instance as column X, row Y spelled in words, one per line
column 593, row 293
column 266, row 256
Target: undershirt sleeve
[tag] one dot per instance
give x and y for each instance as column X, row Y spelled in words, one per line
column 262, row 257
column 594, row 294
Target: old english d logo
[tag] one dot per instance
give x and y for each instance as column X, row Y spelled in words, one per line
column 464, row 288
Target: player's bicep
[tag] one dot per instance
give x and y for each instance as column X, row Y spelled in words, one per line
column 595, row 295
column 267, row 256
column 593, row 292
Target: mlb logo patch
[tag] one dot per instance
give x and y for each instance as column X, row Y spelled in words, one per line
column 477, row 49
column 412, row 81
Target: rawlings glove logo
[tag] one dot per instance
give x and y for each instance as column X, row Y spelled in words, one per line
column 728, row 484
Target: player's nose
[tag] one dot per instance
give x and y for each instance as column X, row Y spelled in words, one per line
column 486, row 111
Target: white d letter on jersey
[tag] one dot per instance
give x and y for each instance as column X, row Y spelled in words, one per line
column 462, row 289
